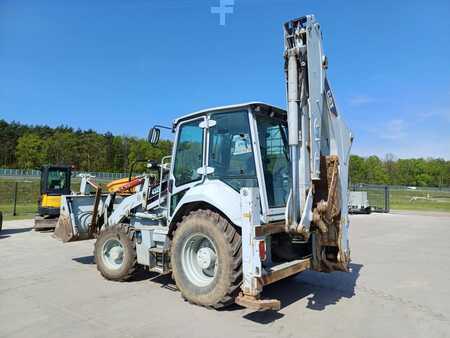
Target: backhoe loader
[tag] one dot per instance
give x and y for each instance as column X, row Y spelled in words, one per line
column 251, row 194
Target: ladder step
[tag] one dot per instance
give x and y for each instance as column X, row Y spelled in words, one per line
column 159, row 250
column 284, row 270
column 157, row 269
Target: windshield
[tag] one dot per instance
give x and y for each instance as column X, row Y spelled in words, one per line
column 274, row 154
column 58, row 180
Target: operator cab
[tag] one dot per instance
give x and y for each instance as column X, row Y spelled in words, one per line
column 222, row 144
column 55, row 181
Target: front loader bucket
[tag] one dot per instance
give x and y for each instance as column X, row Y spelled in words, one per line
column 64, row 230
column 78, row 217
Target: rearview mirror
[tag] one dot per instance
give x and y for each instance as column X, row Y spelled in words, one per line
column 153, row 135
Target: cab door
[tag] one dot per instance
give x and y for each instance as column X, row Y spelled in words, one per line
column 188, row 158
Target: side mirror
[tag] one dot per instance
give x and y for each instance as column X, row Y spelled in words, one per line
column 153, row 135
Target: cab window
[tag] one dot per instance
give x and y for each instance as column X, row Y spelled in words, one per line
column 57, row 180
column 189, row 153
column 230, row 150
column 274, row 154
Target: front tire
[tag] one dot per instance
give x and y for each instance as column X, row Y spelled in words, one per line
column 115, row 253
column 206, row 259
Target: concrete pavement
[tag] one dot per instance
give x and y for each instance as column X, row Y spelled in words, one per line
column 399, row 286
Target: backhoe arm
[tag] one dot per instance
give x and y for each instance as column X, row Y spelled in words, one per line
column 319, row 142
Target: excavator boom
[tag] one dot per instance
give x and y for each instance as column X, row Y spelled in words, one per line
column 319, row 144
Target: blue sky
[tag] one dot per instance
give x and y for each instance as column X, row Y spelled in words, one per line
column 122, row 66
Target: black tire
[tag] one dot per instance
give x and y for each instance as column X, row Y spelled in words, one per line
column 1, row 220
column 125, row 235
column 223, row 289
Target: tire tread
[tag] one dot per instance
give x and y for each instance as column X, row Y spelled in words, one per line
column 234, row 239
column 129, row 232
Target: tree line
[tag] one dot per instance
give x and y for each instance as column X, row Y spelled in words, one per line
column 430, row 172
column 28, row 147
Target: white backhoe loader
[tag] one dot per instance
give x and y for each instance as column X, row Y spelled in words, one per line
column 250, row 195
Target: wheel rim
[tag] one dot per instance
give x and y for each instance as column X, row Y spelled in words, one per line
column 199, row 259
column 112, row 254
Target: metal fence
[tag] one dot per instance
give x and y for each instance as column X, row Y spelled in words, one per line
column 20, row 188
column 19, row 192
column 384, row 198
column 19, row 198
column 29, row 173
column 378, row 196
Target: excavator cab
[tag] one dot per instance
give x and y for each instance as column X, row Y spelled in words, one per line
column 55, row 181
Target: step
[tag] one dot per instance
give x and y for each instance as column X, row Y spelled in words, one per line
column 159, row 250
column 283, row 270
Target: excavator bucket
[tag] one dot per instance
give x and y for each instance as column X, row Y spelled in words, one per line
column 330, row 242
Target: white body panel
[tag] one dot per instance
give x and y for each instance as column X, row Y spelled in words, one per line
column 217, row 194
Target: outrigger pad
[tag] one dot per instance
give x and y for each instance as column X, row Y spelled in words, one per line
column 254, row 303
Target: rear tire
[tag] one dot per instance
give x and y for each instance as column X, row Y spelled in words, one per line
column 206, row 259
column 115, row 253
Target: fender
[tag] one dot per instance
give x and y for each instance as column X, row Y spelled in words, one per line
column 216, row 193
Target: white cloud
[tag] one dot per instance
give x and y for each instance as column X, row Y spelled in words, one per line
column 409, row 130
column 393, row 130
column 414, row 149
column 360, row 100
column 436, row 114
column 426, row 115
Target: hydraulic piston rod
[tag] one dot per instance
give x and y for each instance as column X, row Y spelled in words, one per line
column 292, row 114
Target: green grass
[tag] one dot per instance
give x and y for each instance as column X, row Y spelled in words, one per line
column 411, row 199
column 23, row 211
column 27, row 195
column 420, row 200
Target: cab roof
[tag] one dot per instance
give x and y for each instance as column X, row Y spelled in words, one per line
column 255, row 106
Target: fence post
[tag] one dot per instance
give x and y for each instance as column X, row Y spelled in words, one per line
column 386, row 199
column 15, row 198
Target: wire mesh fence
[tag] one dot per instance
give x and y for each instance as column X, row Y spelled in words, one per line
column 384, row 198
column 377, row 196
column 18, row 198
column 20, row 189
column 19, row 192
column 420, row 198
column 29, row 173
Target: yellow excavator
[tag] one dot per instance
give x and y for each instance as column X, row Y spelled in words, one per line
column 55, row 181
